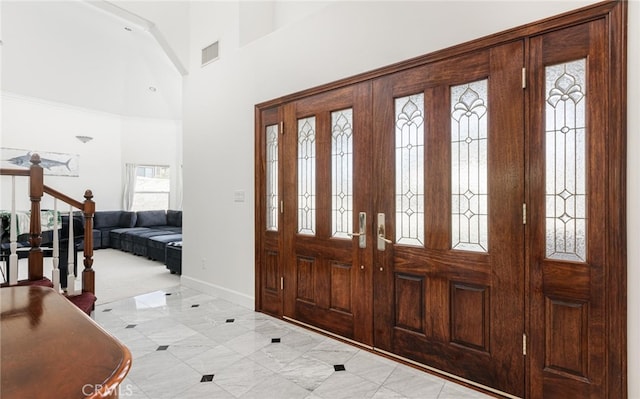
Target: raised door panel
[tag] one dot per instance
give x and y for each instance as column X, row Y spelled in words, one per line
column 271, row 301
column 341, row 287
column 469, row 310
column 410, row 303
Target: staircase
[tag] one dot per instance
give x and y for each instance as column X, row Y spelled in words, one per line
column 85, row 298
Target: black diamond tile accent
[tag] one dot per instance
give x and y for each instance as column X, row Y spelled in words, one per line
column 167, row 293
column 163, row 348
column 195, row 306
column 131, row 326
column 230, row 320
column 275, row 340
column 207, row 378
column 107, row 310
column 339, row 367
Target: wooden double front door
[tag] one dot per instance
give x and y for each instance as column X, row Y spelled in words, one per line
column 406, row 234
column 451, row 213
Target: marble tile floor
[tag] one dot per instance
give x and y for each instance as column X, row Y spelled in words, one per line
column 189, row 345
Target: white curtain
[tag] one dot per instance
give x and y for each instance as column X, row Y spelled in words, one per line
column 129, row 186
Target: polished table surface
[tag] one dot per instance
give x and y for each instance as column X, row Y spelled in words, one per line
column 51, row 349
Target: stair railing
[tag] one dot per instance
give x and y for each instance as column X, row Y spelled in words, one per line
column 37, row 189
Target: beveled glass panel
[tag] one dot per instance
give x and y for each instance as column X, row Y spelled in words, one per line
column 469, row 159
column 272, row 177
column 342, row 173
column 307, row 175
column 409, row 118
column 565, row 161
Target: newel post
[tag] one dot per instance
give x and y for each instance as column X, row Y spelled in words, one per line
column 36, row 191
column 88, row 274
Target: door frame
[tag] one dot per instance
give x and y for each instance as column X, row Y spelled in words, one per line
column 614, row 13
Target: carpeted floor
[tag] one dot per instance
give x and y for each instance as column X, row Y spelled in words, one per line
column 119, row 274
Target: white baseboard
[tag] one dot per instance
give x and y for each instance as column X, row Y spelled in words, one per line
column 218, row 291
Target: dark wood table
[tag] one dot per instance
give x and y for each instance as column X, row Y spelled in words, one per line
column 51, row 349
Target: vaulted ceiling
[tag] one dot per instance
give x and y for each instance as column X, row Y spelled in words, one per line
column 91, row 55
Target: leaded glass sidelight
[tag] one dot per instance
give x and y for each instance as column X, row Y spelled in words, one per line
column 342, row 173
column 565, row 161
column 409, row 118
column 272, row 177
column 307, row 175
column 469, row 189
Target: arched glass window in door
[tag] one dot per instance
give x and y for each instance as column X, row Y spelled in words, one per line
column 469, row 188
column 272, row 177
column 307, row 176
column 566, row 164
column 342, row 173
column 409, row 118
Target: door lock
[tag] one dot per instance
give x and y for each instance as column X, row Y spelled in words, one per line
column 362, row 230
column 382, row 240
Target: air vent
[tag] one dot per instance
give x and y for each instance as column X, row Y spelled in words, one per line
column 209, row 53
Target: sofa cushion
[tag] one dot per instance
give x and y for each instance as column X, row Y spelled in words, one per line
column 156, row 246
column 140, row 241
column 115, row 235
column 174, row 218
column 169, row 229
column 151, row 218
column 106, row 219
column 128, row 219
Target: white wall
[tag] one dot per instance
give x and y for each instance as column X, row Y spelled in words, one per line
column 153, row 142
column 38, row 125
column 337, row 40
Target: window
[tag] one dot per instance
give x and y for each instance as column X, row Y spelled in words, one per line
column 152, row 188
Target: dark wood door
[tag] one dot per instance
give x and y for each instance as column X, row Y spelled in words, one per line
column 269, row 218
column 570, row 146
column 449, row 179
column 327, row 275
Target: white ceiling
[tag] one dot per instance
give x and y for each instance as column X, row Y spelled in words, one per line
column 75, row 53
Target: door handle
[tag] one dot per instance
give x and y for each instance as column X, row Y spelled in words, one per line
column 362, row 230
column 382, row 240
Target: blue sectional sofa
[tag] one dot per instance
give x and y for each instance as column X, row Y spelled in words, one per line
column 143, row 233
column 105, row 221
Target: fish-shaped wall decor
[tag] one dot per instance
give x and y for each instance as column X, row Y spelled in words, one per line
column 53, row 163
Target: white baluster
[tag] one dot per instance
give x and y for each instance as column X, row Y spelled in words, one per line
column 13, row 236
column 71, row 278
column 56, row 248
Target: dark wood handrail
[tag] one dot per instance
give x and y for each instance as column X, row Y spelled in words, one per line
column 62, row 197
column 14, row 172
column 36, row 191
